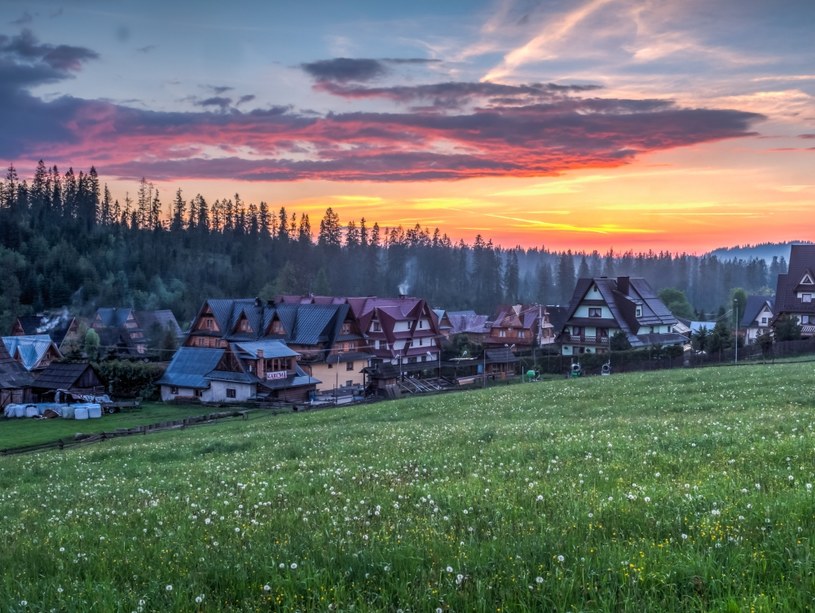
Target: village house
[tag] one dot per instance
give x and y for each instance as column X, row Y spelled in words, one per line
column 795, row 290
column 240, row 371
column 15, row 381
column 323, row 334
column 757, row 318
column 61, row 381
column 63, row 329
column 32, row 352
column 602, row 307
column 125, row 332
column 524, row 326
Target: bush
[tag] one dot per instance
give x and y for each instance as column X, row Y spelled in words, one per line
column 130, row 379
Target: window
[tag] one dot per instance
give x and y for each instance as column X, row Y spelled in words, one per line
column 806, row 297
column 349, row 366
column 576, row 330
column 346, row 328
column 595, row 312
column 763, row 321
column 638, row 312
column 208, row 323
column 198, row 393
column 376, row 327
column 174, row 390
column 231, row 393
column 244, row 326
column 349, row 383
column 277, row 327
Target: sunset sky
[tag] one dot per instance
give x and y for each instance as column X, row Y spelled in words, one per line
column 625, row 124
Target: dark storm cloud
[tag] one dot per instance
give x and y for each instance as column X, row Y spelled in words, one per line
column 453, row 94
column 468, row 130
column 344, row 70
column 62, row 57
column 220, row 101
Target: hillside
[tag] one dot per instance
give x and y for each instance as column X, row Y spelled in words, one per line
column 669, row 491
column 764, row 251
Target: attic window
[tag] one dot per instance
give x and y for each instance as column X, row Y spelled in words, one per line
column 807, row 280
column 375, row 326
column 243, row 325
column 639, row 311
column 277, row 327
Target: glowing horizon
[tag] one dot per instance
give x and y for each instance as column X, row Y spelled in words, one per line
column 604, row 125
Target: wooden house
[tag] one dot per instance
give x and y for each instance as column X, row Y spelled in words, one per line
column 63, row 328
column 795, row 290
column 15, row 381
column 525, row 326
column 323, row 333
column 125, row 332
column 61, row 379
column 32, row 352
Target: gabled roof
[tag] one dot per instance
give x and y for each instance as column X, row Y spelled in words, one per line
column 65, row 375
column 113, row 317
column 801, row 264
column 56, row 325
column 190, row 367
column 468, row 322
column 30, row 350
column 12, row 374
column 753, row 308
column 164, row 318
column 518, row 316
column 622, row 296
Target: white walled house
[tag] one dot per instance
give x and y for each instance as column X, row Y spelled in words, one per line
column 262, row 370
column 602, row 307
column 757, row 318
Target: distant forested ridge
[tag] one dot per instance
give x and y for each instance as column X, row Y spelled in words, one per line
column 64, row 241
column 767, row 251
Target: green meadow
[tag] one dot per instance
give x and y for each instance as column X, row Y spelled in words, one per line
column 683, row 490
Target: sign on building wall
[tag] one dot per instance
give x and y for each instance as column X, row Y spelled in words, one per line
column 278, row 374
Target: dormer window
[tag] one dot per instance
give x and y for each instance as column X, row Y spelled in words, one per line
column 639, row 312
column 277, row 327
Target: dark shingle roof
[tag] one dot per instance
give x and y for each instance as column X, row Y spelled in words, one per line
column 190, row 367
column 64, row 375
column 802, row 263
column 753, row 308
column 622, row 296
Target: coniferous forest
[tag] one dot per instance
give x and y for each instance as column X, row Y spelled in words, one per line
column 66, row 242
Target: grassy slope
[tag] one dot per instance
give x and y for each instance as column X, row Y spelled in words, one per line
column 683, row 490
column 23, row 432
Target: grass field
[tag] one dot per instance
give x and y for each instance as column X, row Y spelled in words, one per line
column 669, row 491
column 23, row 432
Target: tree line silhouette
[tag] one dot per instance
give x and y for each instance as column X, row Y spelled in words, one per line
column 65, row 241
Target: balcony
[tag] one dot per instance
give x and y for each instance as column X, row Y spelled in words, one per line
column 584, row 339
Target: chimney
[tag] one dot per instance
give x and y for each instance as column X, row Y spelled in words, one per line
column 624, row 284
column 261, row 365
